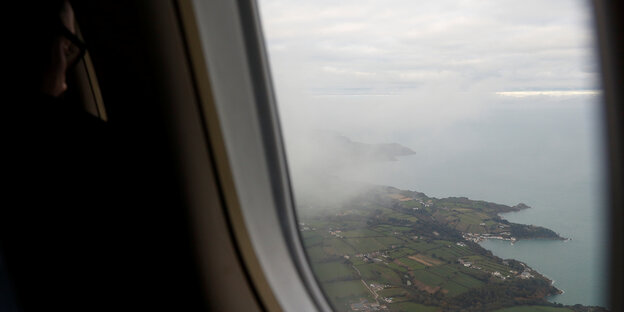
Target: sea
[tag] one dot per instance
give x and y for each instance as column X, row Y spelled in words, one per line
column 545, row 151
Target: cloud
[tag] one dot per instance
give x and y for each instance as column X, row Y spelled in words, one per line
column 521, row 94
column 522, row 45
column 409, row 71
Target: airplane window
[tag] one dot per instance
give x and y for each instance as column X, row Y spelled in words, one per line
column 445, row 155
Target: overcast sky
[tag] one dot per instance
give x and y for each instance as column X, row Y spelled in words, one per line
column 479, row 86
column 434, row 58
column 393, row 46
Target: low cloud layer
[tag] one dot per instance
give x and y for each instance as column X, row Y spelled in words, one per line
column 412, row 72
column 425, row 56
column 397, row 45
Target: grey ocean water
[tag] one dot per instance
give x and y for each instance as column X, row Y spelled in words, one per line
column 544, row 151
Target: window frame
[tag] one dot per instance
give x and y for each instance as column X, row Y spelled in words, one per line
column 232, row 72
column 232, row 76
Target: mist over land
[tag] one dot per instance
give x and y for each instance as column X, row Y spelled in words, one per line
column 445, row 78
column 323, row 164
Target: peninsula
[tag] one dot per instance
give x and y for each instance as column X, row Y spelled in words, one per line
column 395, row 250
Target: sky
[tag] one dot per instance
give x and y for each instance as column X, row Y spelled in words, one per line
column 434, row 75
column 388, row 47
column 430, row 56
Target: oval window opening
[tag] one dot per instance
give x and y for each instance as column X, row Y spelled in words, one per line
column 445, row 155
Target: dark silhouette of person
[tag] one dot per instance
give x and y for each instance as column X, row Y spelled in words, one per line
column 57, row 223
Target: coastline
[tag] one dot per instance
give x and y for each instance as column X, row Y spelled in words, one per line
column 439, row 220
column 556, row 267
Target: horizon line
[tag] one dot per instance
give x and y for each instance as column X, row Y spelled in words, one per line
column 549, row 93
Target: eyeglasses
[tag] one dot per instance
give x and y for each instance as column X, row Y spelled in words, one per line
column 76, row 48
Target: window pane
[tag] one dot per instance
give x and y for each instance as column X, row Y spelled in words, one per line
column 444, row 154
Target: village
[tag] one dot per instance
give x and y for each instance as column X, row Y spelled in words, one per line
column 477, row 238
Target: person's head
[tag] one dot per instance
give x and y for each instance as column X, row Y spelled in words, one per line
column 51, row 46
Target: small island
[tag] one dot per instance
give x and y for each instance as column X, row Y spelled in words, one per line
column 395, row 250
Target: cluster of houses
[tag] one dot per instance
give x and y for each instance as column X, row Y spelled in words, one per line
column 426, row 204
column 526, row 274
column 377, row 287
column 372, row 256
column 477, row 238
column 499, row 275
column 303, row 227
column 366, row 306
column 468, row 264
column 336, row 233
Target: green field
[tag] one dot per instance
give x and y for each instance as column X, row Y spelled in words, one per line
column 411, row 204
column 456, row 281
column 390, row 229
column 311, row 238
column 446, row 254
column 360, row 233
column 453, row 289
column 412, row 307
column 347, row 289
column 316, row 253
column 365, row 244
column 401, row 252
column 487, row 264
column 422, row 246
column 389, row 241
column 402, row 216
column 337, row 247
column 466, row 280
column 411, row 264
column 428, row 278
column 397, row 267
column 392, row 292
column 380, row 273
column 534, row 309
column 334, row 271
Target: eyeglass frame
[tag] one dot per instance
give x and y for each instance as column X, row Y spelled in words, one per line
column 81, row 45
